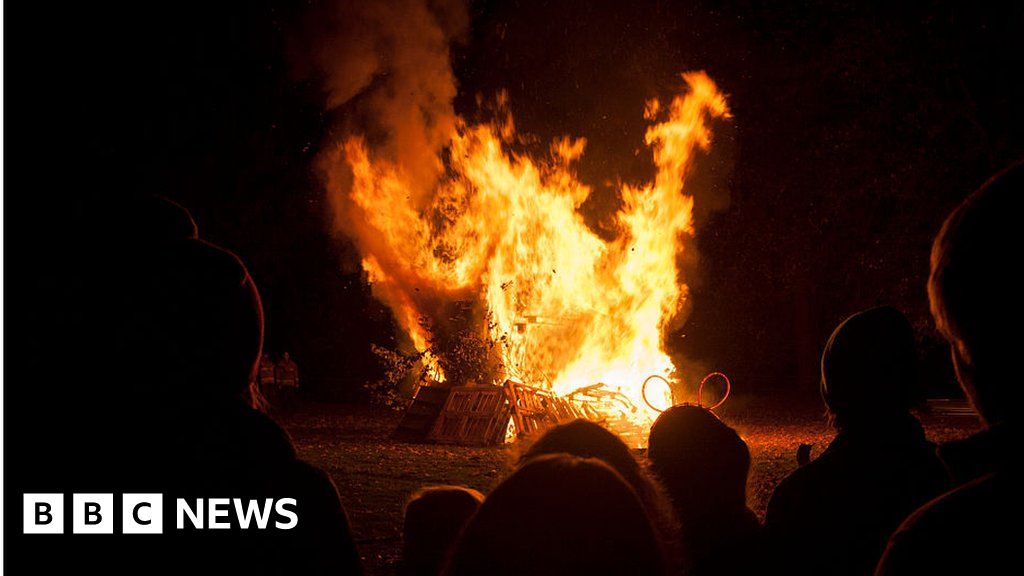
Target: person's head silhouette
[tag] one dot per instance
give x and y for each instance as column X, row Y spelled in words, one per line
column 975, row 297
column 587, row 440
column 590, row 440
column 434, row 517
column 198, row 327
column 556, row 515
column 869, row 369
column 702, row 462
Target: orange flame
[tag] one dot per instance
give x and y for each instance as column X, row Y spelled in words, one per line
column 568, row 307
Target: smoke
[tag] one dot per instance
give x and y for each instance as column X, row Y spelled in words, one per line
column 385, row 69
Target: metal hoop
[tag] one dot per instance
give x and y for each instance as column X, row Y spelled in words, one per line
column 700, row 390
column 643, row 391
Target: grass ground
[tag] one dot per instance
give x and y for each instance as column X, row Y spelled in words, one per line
column 375, row 474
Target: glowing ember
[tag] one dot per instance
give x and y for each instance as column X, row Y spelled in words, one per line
column 567, row 308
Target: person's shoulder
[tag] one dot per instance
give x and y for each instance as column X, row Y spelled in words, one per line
column 953, row 515
column 311, row 474
column 313, row 483
column 265, row 432
column 797, row 489
column 976, row 499
column 962, row 531
column 822, row 468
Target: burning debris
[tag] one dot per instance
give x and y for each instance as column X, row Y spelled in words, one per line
column 447, row 212
column 489, row 415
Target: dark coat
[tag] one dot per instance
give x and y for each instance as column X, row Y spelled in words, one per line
column 972, row 529
column 726, row 544
column 241, row 452
column 233, row 451
column 834, row 515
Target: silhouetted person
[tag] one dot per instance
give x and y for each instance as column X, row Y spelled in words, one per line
column 83, row 432
column 192, row 340
column 559, row 515
column 976, row 301
column 703, row 465
column 266, row 374
column 835, row 514
column 589, row 440
column 286, row 373
column 434, row 518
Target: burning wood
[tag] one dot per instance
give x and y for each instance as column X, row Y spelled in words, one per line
column 500, row 228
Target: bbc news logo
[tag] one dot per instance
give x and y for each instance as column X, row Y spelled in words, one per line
column 143, row 514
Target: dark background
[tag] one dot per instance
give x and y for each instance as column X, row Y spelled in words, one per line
column 857, row 127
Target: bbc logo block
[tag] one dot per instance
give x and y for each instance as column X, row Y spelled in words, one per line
column 44, row 513
column 142, row 514
column 91, row 513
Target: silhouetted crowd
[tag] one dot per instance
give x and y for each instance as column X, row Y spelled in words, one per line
column 880, row 499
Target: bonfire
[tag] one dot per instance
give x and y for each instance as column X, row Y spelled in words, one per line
column 571, row 314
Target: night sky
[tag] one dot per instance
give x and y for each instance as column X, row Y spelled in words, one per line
column 856, row 129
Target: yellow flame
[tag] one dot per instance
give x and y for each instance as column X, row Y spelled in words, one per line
column 569, row 308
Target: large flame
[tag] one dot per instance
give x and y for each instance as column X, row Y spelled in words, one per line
column 568, row 308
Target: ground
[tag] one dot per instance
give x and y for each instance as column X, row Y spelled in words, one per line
column 375, row 474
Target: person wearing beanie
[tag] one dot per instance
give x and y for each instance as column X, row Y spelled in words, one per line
column 834, row 515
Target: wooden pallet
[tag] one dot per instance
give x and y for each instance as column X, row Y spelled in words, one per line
column 535, row 409
column 472, row 416
column 422, row 413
